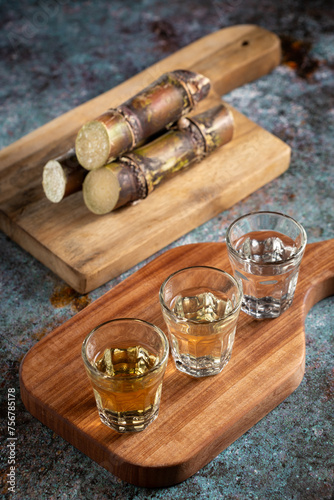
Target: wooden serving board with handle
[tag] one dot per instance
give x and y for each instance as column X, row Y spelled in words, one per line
column 198, row 418
column 87, row 250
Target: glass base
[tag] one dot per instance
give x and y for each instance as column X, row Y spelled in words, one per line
column 129, row 421
column 265, row 307
column 204, row 366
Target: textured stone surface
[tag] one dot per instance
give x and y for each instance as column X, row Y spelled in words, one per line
column 56, row 54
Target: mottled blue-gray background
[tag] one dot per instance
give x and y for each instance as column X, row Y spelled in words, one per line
column 56, row 54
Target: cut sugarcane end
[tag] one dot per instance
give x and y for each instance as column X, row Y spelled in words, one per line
column 101, row 191
column 54, row 181
column 92, row 145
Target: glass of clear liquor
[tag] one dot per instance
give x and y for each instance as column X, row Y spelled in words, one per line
column 125, row 360
column 200, row 306
column 265, row 250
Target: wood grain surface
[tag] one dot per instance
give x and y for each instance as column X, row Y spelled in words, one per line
column 198, row 418
column 87, row 250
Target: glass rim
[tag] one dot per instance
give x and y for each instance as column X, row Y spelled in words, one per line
column 232, row 278
column 94, row 370
column 267, row 264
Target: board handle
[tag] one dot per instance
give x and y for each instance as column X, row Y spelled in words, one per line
column 244, row 53
column 319, row 276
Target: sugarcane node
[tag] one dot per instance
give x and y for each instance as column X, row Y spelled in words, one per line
column 197, row 85
column 155, row 108
column 197, row 136
column 132, row 180
column 216, row 126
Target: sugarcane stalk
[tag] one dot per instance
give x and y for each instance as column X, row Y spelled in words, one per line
column 62, row 176
column 153, row 109
column 135, row 175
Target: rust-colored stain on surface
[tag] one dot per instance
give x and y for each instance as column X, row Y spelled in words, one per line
column 65, row 295
column 166, row 35
column 296, row 55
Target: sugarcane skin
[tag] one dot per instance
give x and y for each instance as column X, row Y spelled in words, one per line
column 156, row 108
column 216, row 126
column 166, row 155
column 165, row 82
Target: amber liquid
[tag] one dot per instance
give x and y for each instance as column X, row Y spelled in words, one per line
column 202, row 345
column 128, row 392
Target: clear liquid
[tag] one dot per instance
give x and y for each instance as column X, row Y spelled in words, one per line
column 266, row 246
column 268, row 279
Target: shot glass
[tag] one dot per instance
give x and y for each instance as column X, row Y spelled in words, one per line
column 200, row 306
column 265, row 250
column 125, row 360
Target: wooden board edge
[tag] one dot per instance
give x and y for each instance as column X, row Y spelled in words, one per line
column 174, row 473
column 40, row 252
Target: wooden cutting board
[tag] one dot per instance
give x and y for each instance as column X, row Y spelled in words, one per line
column 198, row 418
column 87, row 250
